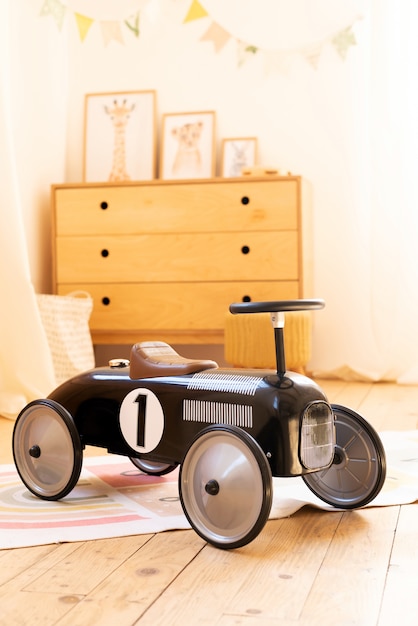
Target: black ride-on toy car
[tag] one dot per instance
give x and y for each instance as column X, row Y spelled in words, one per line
column 229, row 430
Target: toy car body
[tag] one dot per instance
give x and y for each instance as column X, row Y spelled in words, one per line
column 229, row 430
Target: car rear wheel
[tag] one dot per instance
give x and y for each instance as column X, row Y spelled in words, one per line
column 47, row 449
column 358, row 471
column 152, row 468
column 225, row 486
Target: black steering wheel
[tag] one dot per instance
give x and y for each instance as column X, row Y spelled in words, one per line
column 276, row 306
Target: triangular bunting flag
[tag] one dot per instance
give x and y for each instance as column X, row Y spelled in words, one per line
column 244, row 51
column 217, row 35
column 133, row 24
column 312, row 54
column 55, row 9
column 343, row 40
column 111, row 32
column 83, row 24
column 196, row 11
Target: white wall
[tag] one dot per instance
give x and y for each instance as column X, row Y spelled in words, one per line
column 293, row 112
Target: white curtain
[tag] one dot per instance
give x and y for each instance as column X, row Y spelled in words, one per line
column 369, row 268
column 393, row 121
column 32, row 112
column 347, row 121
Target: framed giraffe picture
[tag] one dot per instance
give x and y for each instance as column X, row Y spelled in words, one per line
column 188, row 145
column 119, row 136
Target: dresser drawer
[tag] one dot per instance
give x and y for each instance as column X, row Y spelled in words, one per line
column 177, row 207
column 183, row 257
column 142, row 310
column 163, row 260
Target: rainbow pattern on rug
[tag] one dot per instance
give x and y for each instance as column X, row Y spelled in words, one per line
column 114, row 499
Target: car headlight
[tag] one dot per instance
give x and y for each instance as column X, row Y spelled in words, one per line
column 317, row 435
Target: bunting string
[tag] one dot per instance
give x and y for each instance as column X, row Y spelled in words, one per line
column 279, row 59
column 215, row 34
column 111, row 30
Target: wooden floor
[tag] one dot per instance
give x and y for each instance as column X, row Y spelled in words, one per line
column 314, row 568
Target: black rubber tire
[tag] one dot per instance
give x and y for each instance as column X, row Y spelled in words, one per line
column 152, row 468
column 225, row 486
column 47, row 449
column 359, row 469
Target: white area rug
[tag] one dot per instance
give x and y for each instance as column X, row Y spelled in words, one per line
column 113, row 499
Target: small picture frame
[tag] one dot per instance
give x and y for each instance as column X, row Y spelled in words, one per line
column 237, row 154
column 188, row 145
column 119, row 136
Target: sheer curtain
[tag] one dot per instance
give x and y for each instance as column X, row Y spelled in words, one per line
column 30, row 157
column 393, row 190
column 347, row 121
column 369, row 271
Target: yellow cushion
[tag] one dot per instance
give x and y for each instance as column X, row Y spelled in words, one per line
column 249, row 340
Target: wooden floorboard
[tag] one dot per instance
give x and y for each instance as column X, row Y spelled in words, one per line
column 314, row 568
column 401, row 589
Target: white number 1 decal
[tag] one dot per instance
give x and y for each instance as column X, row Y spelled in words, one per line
column 141, row 420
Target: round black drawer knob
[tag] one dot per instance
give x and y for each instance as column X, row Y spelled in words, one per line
column 104, row 205
column 104, row 253
column 245, row 249
column 245, row 200
column 246, row 298
column 106, row 301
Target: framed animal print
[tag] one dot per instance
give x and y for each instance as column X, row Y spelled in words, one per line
column 188, row 145
column 119, row 136
column 238, row 154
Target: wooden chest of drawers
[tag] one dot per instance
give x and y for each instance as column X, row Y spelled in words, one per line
column 164, row 259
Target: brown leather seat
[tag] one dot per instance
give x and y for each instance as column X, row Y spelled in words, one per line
column 156, row 358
